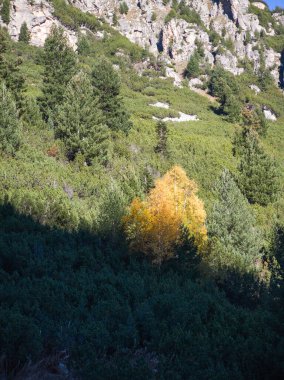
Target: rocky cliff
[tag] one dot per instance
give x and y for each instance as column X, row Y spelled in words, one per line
column 226, row 29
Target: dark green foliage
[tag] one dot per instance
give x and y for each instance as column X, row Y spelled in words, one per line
column 83, row 45
column 171, row 15
column 234, row 240
column 258, row 173
column 106, row 84
column 114, row 20
column 9, row 123
column 231, row 106
column 5, row 11
column 24, row 35
column 31, row 113
column 79, row 122
column 189, row 14
column 183, row 11
column 119, row 318
column 59, row 67
column 123, row 8
column 10, row 71
column 162, row 138
column 224, row 86
column 193, row 67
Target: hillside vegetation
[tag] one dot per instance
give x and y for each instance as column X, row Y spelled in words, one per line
column 138, row 248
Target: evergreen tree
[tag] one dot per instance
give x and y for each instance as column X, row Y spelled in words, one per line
column 231, row 106
column 5, row 11
column 114, row 19
column 24, row 35
column 162, row 137
column 10, row 71
column 9, row 123
column 79, row 122
column 106, row 85
column 193, row 70
column 83, row 45
column 223, row 85
column 59, row 66
column 235, row 242
column 258, row 176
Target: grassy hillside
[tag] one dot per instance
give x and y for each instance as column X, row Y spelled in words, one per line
column 68, row 283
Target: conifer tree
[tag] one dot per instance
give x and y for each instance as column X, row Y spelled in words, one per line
column 24, row 35
column 162, row 137
column 235, row 242
column 5, row 11
column 192, row 68
column 79, row 122
column 59, row 66
column 106, row 85
column 10, row 71
column 258, row 174
column 9, row 123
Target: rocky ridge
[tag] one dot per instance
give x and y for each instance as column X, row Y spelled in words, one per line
column 173, row 40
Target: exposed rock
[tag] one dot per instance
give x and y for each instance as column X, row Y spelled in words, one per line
column 170, row 73
column 269, row 114
column 229, row 62
column 259, row 5
column 176, row 40
column 182, row 118
column 39, row 17
column 160, row 105
column 195, row 83
column 255, row 88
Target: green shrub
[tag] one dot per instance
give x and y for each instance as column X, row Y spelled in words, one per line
column 5, row 11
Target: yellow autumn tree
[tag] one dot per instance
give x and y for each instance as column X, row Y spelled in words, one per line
column 155, row 226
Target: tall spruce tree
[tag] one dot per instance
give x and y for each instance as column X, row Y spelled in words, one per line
column 79, row 122
column 234, row 239
column 106, row 85
column 162, row 137
column 59, row 66
column 5, row 11
column 24, row 35
column 9, row 123
column 10, row 71
column 258, row 173
column 192, row 69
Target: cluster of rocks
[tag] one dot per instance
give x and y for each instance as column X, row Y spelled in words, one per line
column 175, row 41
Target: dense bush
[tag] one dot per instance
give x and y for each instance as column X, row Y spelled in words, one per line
column 119, row 317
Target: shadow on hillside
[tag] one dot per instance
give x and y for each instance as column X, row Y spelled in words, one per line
column 281, row 71
column 81, row 294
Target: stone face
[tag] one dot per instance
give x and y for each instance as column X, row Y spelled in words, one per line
column 174, row 41
column 259, row 5
column 255, row 88
column 269, row 114
column 39, row 18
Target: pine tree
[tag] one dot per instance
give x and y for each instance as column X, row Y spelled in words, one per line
column 162, row 137
column 79, row 122
column 235, row 242
column 193, row 69
column 59, row 66
column 9, row 123
column 258, row 174
column 10, row 71
column 5, row 11
column 106, row 85
column 114, row 20
column 231, row 106
column 24, row 35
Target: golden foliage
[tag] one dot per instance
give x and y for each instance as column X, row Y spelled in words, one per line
column 154, row 226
